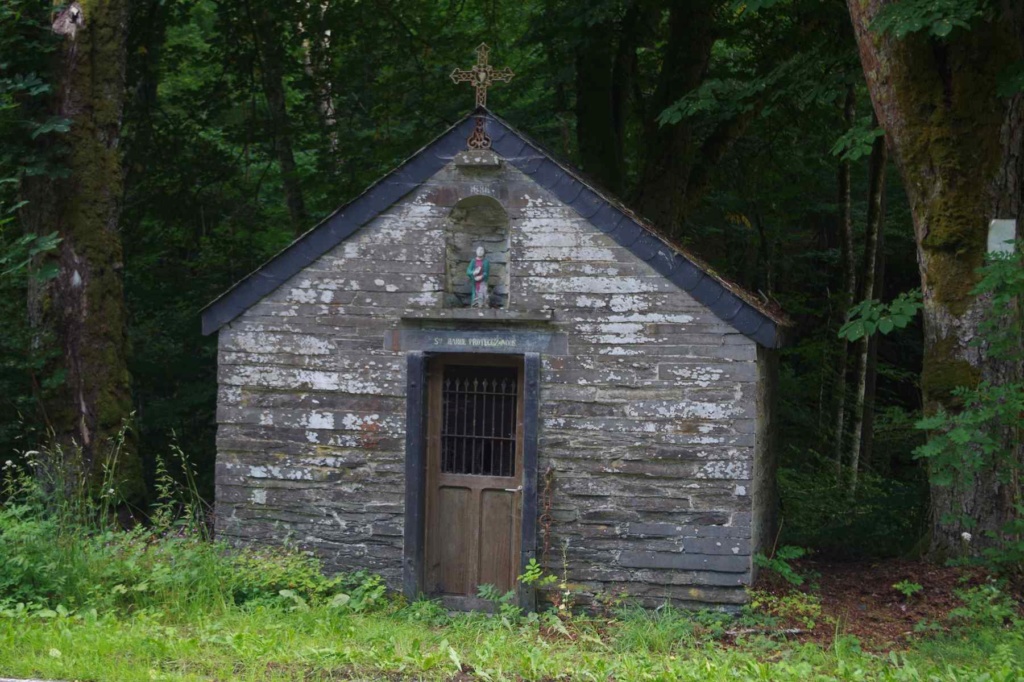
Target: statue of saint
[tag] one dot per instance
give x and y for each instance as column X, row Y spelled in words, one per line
column 478, row 271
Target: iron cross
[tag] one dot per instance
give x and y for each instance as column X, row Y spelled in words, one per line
column 482, row 75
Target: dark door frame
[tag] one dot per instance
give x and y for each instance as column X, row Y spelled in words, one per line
column 416, row 472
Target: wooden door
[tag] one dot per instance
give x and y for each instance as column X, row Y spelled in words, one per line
column 474, row 476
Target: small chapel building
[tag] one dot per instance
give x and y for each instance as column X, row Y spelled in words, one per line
column 591, row 396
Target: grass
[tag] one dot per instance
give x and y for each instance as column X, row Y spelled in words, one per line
column 80, row 600
column 270, row 643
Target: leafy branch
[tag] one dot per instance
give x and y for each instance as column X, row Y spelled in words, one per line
column 17, row 255
column 868, row 317
column 936, row 17
column 856, row 142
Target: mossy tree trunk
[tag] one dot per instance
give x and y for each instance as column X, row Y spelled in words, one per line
column 84, row 306
column 958, row 145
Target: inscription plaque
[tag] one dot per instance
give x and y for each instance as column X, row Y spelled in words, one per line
column 496, row 341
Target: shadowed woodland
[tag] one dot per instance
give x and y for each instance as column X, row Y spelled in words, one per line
column 155, row 152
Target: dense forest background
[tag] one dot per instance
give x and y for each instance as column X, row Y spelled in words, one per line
column 744, row 129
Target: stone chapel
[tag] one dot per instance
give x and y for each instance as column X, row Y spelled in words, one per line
column 484, row 360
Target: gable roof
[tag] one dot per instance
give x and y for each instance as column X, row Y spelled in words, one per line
column 729, row 302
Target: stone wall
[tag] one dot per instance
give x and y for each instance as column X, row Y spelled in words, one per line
column 648, row 424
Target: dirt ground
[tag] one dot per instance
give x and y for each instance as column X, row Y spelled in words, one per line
column 859, row 599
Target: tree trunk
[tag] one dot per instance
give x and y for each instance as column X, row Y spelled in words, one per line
column 672, row 151
column 316, row 47
column 605, row 72
column 875, row 221
column 868, row 428
column 272, row 57
column 958, row 146
column 849, row 282
column 84, row 305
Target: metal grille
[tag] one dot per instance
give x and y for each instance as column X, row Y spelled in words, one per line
column 478, row 431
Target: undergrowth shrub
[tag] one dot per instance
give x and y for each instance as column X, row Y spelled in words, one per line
column 885, row 518
column 61, row 545
column 792, row 610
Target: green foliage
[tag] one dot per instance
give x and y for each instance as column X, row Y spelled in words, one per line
column 755, row 5
column 16, row 256
column 986, row 605
column 907, row 589
column 535, row 576
column 985, row 435
column 1011, row 80
column 867, row 317
column 504, row 603
column 856, row 142
column 794, row 608
column 937, row 18
column 30, row 145
column 723, row 98
column 778, row 563
column 429, row 612
column 886, row 517
column 667, row 629
column 62, row 548
column 268, row 575
column 26, row 44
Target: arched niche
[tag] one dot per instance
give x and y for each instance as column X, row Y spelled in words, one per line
column 476, row 221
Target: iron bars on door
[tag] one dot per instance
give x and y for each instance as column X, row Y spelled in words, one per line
column 478, row 429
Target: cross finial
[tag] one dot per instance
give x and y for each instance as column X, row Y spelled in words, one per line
column 482, row 75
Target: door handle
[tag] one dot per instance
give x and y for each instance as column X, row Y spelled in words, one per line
column 514, row 490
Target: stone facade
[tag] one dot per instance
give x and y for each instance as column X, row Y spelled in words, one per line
column 655, row 475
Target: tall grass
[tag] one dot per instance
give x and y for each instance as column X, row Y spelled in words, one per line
column 70, row 543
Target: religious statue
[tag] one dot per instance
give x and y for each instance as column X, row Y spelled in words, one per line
column 478, row 271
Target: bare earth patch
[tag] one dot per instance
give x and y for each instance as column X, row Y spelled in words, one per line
column 861, row 599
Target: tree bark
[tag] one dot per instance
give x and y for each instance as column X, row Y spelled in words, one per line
column 958, row 146
column 849, row 283
column 875, row 221
column 84, row 306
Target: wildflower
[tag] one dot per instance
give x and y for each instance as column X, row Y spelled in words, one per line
column 966, row 536
column 8, row 463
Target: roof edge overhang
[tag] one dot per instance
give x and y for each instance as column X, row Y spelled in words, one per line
column 336, row 227
column 729, row 302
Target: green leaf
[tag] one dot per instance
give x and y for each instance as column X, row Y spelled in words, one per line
column 851, row 331
column 339, row 600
